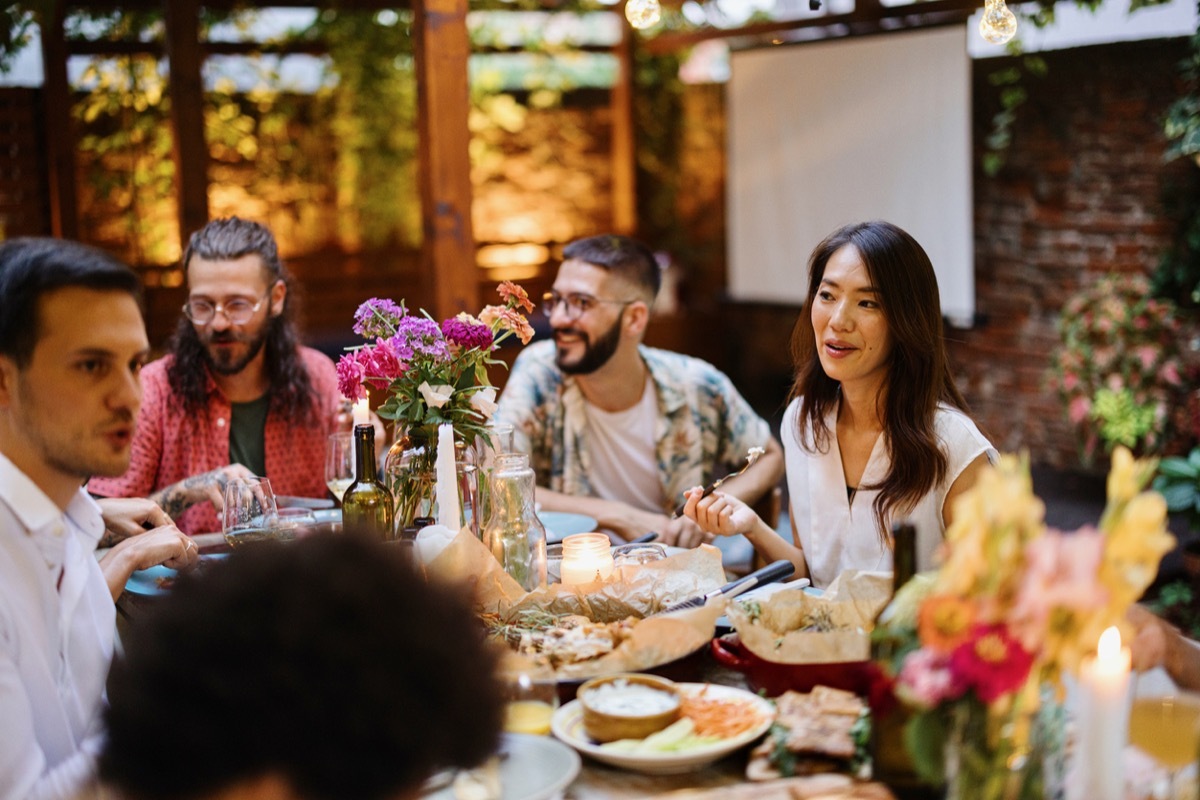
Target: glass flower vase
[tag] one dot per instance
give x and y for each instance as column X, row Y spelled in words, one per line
column 1013, row 749
column 410, row 472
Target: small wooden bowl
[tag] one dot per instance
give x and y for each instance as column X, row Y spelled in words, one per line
column 606, row 726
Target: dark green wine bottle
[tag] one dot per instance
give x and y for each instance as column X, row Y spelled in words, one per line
column 367, row 504
column 891, row 762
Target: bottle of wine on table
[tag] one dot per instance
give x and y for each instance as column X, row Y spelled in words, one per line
column 367, row 504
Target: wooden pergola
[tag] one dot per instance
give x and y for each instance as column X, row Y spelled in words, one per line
column 441, row 48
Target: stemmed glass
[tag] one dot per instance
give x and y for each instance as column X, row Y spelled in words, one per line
column 250, row 513
column 1167, row 727
column 339, row 463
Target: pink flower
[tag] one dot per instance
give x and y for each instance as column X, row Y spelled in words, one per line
column 1147, row 354
column 1069, row 381
column 992, row 663
column 1061, row 574
column 1079, row 409
column 926, row 680
column 383, row 363
column 1169, row 373
column 508, row 319
column 350, row 377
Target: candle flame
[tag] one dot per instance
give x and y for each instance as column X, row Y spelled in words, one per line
column 1109, row 647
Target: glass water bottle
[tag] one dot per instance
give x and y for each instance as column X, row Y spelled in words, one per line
column 513, row 532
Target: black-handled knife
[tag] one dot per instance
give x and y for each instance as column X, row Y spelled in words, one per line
column 775, row 571
column 644, row 538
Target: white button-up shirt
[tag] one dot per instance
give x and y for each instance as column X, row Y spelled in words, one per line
column 57, row 624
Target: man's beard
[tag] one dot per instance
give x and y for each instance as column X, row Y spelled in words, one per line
column 225, row 364
column 595, row 355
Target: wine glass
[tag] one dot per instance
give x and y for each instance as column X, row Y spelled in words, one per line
column 1167, row 727
column 531, row 689
column 339, row 463
column 249, row 513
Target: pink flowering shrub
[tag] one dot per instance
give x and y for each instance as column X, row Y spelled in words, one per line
column 1119, row 371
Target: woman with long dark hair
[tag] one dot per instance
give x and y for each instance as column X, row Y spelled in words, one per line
column 875, row 431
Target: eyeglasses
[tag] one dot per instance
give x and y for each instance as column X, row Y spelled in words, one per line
column 238, row 311
column 576, row 304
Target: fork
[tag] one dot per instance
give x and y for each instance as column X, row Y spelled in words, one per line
column 752, row 455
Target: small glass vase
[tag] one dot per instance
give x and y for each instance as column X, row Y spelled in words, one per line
column 1016, row 752
column 410, row 472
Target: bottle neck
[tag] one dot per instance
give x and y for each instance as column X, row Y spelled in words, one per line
column 364, row 454
column 904, row 554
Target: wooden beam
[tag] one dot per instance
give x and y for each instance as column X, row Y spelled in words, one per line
column 624, row 150
column 60, row 136
column 187, row 115
column 440, row 50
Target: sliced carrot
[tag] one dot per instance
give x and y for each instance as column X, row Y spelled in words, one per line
column 721, row 718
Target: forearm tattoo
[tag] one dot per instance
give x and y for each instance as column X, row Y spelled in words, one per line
column 175, row 499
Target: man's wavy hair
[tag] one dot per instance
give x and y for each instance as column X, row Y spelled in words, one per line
column 291, row 393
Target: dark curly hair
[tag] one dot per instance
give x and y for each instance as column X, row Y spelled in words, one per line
column 919, row 374
column 329, row 662
column 291, row 388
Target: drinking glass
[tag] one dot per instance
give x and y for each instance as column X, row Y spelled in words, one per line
column 1167, row 727
column 249, row 514
column 532, row 694
column 339, row 463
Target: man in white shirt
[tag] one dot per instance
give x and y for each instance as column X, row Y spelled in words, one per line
column 72, row 342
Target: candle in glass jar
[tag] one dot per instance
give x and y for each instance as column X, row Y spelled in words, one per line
column 586, row 558
column 1104, row 718
column 362, row 411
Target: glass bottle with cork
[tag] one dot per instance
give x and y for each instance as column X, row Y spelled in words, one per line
column 367, row 504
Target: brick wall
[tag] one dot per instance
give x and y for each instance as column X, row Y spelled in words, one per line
column 1080, row 196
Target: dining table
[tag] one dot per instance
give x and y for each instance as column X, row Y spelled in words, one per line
column 723, row 779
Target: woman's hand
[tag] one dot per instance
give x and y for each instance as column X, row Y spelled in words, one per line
column 719, row 513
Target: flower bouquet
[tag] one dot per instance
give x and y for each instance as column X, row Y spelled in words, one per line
column 977, row 650
column 434, row 373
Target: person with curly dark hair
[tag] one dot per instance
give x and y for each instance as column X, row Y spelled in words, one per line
column 237, row 394
column 876, row 430
column 319, row 669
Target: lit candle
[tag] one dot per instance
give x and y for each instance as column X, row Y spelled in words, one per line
column 447, row 485
column 362, row 411
column 1103, row 719
column 586, row 558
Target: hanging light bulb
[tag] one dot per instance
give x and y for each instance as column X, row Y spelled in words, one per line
column 643, row 13
column 998, row 24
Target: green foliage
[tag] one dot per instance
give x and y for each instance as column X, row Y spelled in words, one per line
column 16, row 23
column 1123, row 420
column 1179, row 483
column 1176, row 603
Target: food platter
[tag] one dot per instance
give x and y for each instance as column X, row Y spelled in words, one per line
column 567, row 725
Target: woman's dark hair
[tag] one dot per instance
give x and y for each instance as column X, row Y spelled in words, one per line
column 328, row 662
column 918, row 371
column 290, row 385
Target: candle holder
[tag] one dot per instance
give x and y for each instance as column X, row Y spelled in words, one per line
column 586, row 558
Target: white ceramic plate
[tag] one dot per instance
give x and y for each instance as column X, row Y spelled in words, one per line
column 536, row 768
column 559, row 524
column 567, row 725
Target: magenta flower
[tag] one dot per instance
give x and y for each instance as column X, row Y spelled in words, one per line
column 991, row 662
column 350, row 373
column 467, row 333
column 383, row 363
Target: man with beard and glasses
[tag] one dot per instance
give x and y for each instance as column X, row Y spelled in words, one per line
column 237, row 394
column 617, row 430
column 72, row 343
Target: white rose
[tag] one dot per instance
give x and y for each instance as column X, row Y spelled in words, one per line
column 435, row 396
column 484, row 401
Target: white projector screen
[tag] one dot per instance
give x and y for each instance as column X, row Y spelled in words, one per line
column 825, row 134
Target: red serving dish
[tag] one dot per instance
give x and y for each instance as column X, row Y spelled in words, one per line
column 773, row 678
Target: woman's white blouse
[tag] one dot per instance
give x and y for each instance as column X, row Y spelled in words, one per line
column 838, row 533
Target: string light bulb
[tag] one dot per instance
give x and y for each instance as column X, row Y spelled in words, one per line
column 998, row 25
column 643, row 13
